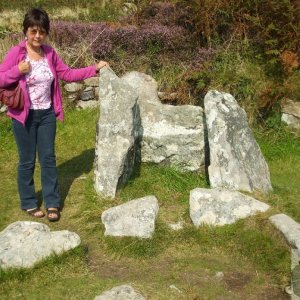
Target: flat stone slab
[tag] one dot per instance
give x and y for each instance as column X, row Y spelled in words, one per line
column 170, row 135
column 134, row 218
column 289, row 228
column 73, row 87
column 22, row 244
column 236, row 161
column 87, row 104
column 220, row 206
column 122, row 292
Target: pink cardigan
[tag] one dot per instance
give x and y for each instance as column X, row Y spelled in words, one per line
column 9, row 73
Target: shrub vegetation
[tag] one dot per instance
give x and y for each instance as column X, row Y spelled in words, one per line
column 249, row 48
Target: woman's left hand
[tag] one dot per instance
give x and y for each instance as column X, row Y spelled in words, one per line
column 101, row 64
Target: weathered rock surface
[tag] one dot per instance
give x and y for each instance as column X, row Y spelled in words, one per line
column 134, row 218
column 290, row 107
column 87, row 94
column 117, row 141
column 289, row 228
column 291, row 113
column 295, row 280
column 87, row 104
column 291, row 231
column 22, row 244
column 291, row 120
column 220, row 206
column 171, row 135
column 92, row 81
column 73, row 87
column 97, row 92
column 122, row 292
column 236, row 161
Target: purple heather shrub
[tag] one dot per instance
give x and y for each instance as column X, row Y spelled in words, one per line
column 130, row 38
column 169, row 37
column 69, row 33
column 138, row 40
column 102, row 41
column 201, row 56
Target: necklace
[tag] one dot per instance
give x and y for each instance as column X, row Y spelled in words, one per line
column 30, row 49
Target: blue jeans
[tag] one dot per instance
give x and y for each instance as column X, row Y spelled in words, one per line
column 37, row 134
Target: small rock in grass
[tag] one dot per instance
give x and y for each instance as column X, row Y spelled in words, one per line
column 134, row 218
column 175, row 288
column 219, row 276
column 176, row 226
column 122, row 292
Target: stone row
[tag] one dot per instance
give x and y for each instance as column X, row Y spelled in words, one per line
column 134, row 126
column 22, row 244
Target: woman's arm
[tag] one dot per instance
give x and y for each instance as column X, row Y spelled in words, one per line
column 65, row 73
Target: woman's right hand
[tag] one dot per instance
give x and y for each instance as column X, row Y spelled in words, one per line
column 24, row 66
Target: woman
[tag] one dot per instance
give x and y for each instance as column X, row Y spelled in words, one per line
column 37, row 68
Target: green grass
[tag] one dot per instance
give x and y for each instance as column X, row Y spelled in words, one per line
column 253, row 256
column 282, row 151
column 88, row 11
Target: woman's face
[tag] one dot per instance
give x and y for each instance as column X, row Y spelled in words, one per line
column 36, row 36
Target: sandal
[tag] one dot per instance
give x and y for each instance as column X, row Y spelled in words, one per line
column 35, row 212
column 55, row 212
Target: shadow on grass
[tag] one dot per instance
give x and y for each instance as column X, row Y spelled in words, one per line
column 70, row 170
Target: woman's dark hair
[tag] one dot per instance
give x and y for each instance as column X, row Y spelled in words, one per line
column 36, row 17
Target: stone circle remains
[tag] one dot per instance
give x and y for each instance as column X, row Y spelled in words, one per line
column 135, row 127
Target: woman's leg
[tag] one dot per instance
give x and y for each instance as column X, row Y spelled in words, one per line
column 46, row 151
column 25, row 137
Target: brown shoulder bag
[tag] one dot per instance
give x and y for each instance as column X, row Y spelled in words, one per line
column 12, row 96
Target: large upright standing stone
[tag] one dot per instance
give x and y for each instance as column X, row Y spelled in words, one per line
column 236, row 161
column 117, row 134
column 171, row 135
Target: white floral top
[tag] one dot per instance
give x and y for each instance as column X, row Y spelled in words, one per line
column 39, row 81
